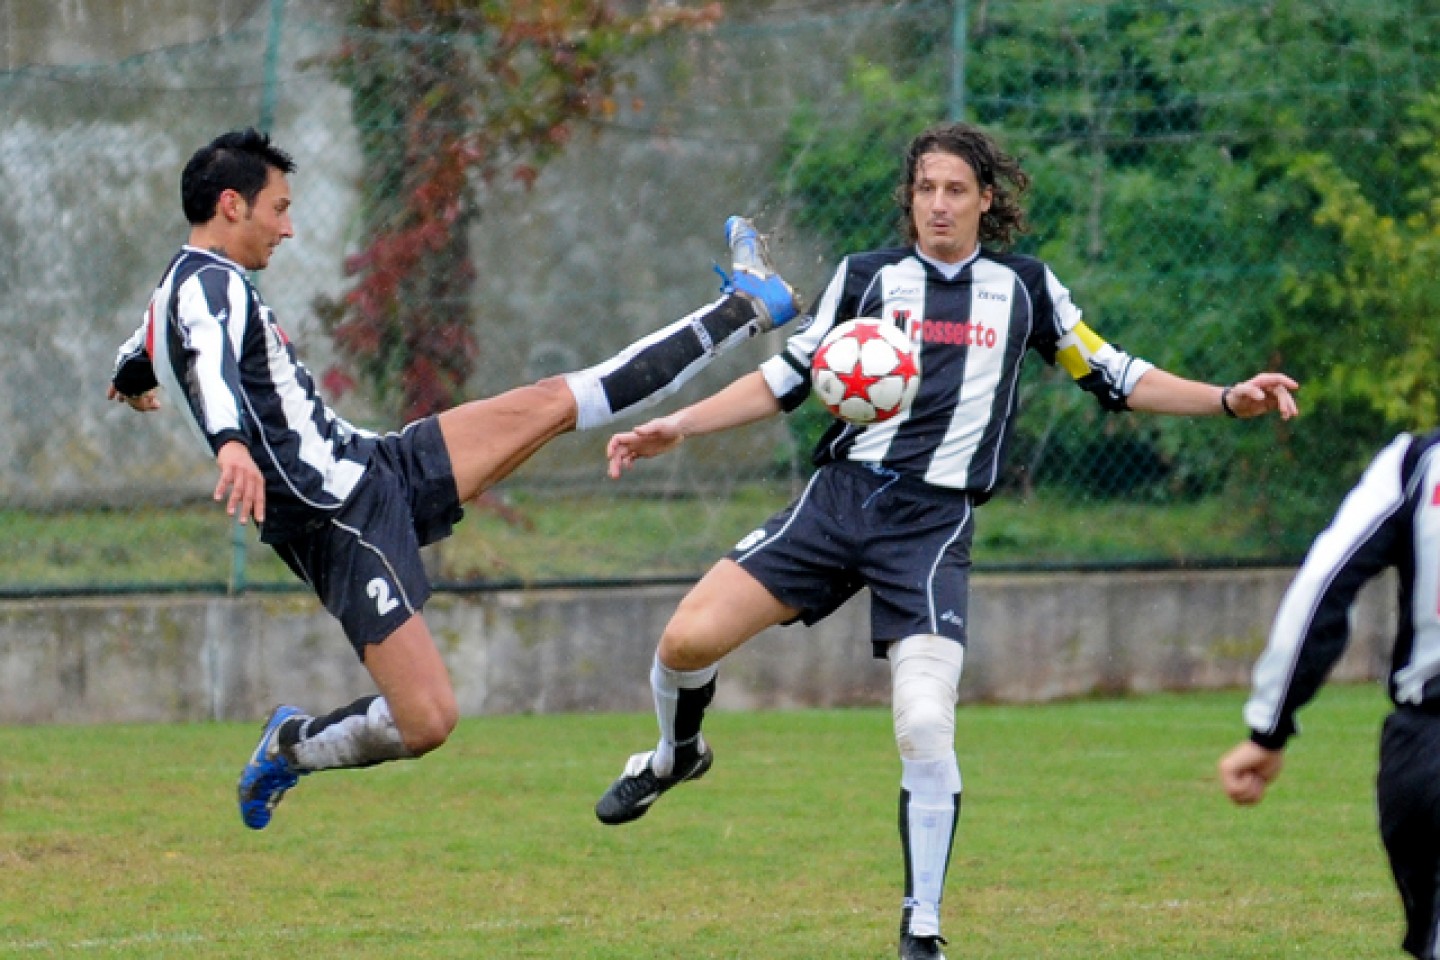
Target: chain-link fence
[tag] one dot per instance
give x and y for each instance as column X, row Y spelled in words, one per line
column 1184, row 157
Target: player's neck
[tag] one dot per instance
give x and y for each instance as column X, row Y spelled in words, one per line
column 948, row 268
column 205, row 237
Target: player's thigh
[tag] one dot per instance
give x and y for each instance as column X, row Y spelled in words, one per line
column 487, row 439
column 413, row 679
column 726, row 608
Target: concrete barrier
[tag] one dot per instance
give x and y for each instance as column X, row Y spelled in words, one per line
column 1033, row 638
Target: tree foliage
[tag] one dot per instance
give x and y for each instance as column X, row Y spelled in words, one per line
column 1225, row 187
column 1381, row 302
column 445, row 94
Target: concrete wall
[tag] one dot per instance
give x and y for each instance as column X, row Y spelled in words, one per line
column 63, row 32
column 1033, row 638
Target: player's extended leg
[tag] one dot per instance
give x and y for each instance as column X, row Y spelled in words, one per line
column 414, row 714
column 726, row 608
column 490, row 438
column 926, row 677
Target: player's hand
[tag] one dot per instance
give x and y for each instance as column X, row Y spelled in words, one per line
column 1263, row 393
column 647, row 440
column 145, row 402
column 242, row 480
column 1248, row 769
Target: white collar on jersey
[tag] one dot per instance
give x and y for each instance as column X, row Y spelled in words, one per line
column 948, row 270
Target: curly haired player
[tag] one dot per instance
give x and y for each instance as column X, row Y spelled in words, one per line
column 891, row 506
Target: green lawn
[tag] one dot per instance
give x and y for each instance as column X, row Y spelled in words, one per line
column 1092, row 829
column 540, row 538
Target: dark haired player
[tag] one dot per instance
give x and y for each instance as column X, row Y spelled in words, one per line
column 1391, row 519
column 348, row 510
column 891, row 507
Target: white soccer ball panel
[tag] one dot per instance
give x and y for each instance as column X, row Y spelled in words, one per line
column 856, row 411
column 877, row 357
column 842, row 354
column 907, row 397
column 887, row 393
column 828, row 386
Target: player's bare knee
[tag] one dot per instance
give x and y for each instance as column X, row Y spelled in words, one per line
column 683, row 648
column 430, row 729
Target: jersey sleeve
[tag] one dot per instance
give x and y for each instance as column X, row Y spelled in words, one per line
column 134, row 374
column 1312, row 627
column 1101, row 369
column 210, row 312
column 788, row 372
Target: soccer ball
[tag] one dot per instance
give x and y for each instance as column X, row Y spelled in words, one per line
column 865, row 371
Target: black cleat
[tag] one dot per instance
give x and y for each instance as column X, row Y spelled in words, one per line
column 630, row 796
column 921, row 948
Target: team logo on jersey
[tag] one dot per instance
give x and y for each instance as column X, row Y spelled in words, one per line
column 1435, row 496
column 992, row 295
column 902, row 320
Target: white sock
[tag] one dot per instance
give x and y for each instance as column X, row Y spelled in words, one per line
column 930, row 801
column 658, row 365
column 358, row 740
column 665, row 685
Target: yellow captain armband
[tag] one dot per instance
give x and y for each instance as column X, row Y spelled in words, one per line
column 1076, row 351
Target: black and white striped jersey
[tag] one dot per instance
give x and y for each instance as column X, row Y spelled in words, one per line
column 1390, row 519
column 974, row 328
column 209, row 339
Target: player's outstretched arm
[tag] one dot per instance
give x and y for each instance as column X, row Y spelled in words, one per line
column 747, row 400
column 1248, row 769
column 1162, row 392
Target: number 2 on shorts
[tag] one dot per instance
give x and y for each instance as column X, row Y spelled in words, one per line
column 379, row 591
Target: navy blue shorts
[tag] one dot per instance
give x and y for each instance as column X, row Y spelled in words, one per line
column 364, row 563
column 856, row 526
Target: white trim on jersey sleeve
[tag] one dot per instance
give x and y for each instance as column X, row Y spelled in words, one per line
column 205, row 336
column 779, row 376
column 1067, row 314
column 782, row 376
column 1116, row 367
column 1374, row 499
column 135, row 346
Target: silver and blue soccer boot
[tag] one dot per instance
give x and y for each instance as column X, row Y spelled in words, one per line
column 754, row 277
column 268, row 775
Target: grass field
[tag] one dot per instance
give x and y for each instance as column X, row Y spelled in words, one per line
column 1090, row 830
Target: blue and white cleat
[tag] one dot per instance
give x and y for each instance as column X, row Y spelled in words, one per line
column 268, row 775
column 754, row 276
